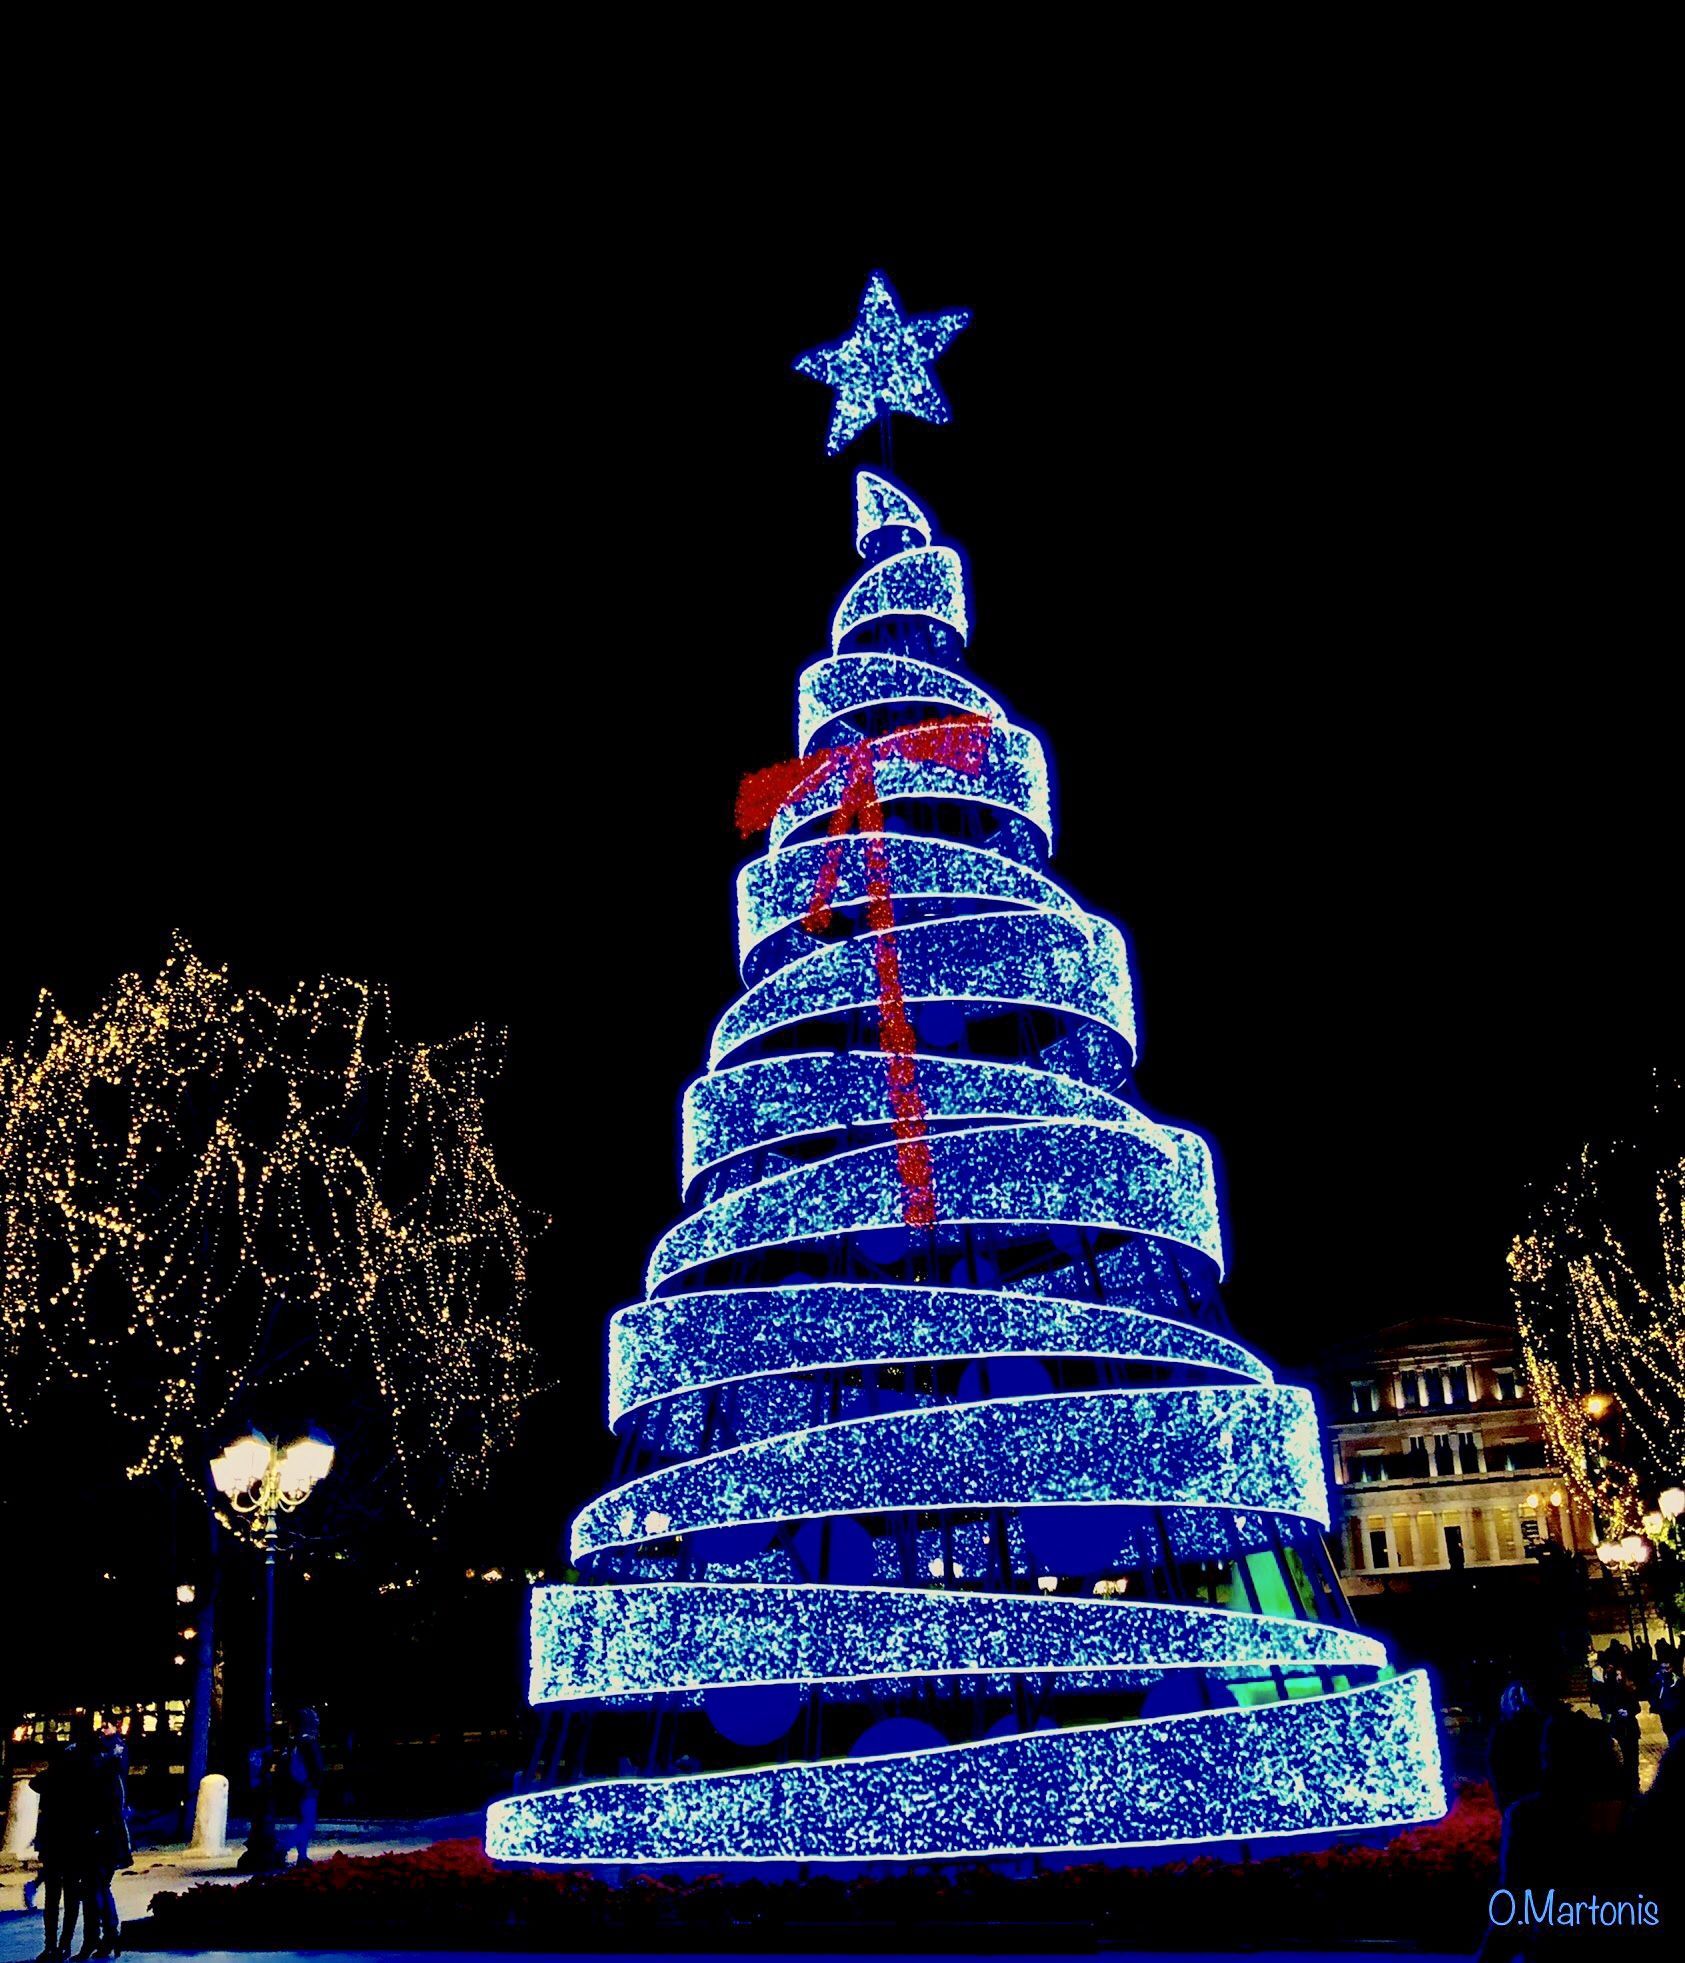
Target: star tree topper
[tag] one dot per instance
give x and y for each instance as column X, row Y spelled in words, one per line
column 883, row 364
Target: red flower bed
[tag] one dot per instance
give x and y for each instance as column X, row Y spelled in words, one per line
column 1425, row 1882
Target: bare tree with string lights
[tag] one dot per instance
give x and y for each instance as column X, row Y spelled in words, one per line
column 1598, row 1282
column 218, row 1208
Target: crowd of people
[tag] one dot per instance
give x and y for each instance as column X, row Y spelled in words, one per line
column 82, row 1825
column 82, row 1838
column 1575, row 1820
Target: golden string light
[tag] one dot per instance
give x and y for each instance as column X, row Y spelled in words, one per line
column 1603, row 1335
column 202, row 1190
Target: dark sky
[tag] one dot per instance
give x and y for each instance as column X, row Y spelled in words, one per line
column 408, row 598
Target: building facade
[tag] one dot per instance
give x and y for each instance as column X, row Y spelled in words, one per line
column 1439, row 1458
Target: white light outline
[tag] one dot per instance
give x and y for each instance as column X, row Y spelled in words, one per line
column 1305, row 1488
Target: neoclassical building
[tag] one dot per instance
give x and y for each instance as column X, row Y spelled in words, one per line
column 1439, row 1460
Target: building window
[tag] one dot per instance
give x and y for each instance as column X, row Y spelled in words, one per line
column 1468, row 1452
column 1444, row 1464
column 1366, row 1396
column 1454, row 1546
column 1365, row 1468
column 1504, row 1384
column 1378, row 1556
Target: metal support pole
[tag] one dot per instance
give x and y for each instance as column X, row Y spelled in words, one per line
column 263, row 1849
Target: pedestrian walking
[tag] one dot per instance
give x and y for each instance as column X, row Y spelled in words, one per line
column 108, row 1847
column 61, row 1839
column 1568, row 1835
column 59, row 1889
column 1669, row 1703
column 308, row 1767
column 1514, row 1756
column 1623, row 1728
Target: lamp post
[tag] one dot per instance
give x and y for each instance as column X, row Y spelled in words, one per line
column 1666, row 1528
column 1624, row 1558
column 260, row 1478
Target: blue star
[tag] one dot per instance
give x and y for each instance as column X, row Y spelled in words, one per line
column 884, row 361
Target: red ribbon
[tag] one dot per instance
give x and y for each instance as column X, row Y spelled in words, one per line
column 958, row 742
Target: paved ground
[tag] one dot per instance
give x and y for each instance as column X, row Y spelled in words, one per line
column 168, row 1870
column 14, row 1949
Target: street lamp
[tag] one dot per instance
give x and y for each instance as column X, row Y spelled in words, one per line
column 1672, row 1502
column 1623, row 1558
column 260, row 1478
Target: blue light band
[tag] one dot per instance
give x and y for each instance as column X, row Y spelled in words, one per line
column 1075, row 1173
column 1353, row 1759
column 688, row 1343
column 779, row 1098
column 1013, row 778
column 640, row 1637
column 880, row 505
column 927, row 582
column 776, row 892
column 839, row 684
column 1247, row 1447
column 1038, row 960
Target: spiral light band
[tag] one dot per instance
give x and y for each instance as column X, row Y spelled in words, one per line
column 1014, row 779
column 843, row 684
column 670, row 1345
column 1359, row 1758
column 646, row 1637
column 1242, row 1447
column 772, row 1100
column 990, row 1466
column 1101, row 1177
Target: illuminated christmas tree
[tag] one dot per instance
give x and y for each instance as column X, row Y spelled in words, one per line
column 951, row 1517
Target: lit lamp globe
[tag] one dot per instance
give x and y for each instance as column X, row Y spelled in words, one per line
column 239, row 1467
column 1672, row 1502
column 304, row 1463
column 1653, row 1523
column 1608, row 1553
column 1635, row 1549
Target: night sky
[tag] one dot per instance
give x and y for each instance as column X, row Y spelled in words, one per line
column 411, row 602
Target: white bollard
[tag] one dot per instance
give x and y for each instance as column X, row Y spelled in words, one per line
column 210, row 1816
column 23, row 1810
